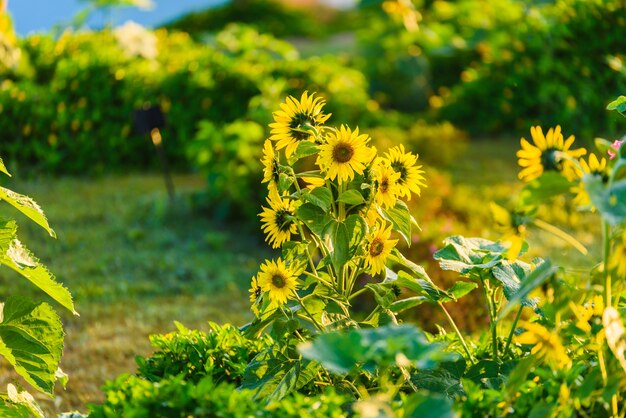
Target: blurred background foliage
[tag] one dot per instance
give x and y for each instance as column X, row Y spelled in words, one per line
column 455, row 81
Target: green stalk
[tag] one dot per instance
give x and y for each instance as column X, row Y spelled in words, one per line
column 492, row 317
column 313, row 321
column 456, row 330
column 606, row 253
column 510, row 337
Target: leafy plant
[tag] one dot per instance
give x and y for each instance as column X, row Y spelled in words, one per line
column 31, row 333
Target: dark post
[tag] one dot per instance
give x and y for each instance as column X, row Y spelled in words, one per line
column 149, row 120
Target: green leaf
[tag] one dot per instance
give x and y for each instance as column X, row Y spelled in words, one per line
column 340, row 238
column 408, row 303
column 10, row 410
column 519, row 374
column 610, row 201
column 272, row 375
column 544, row 188
column 510, row 276
column 18, row 258
column 356, row 228
column 371, row 349
column 529, row 283
column 320, row 197
column 400, row 217
column 428, row 406
column 25, row 400
column 384, row 296
column 351, row 197
column 31, row 339
column 460, row 289
column 416, row 279
column 28, row 207
column 305, row 149
column 284, row 182
column 618, row 105
column 469, row 256
column 3, row 168
column 445, row 379
column 8, row 231
column 314, row 218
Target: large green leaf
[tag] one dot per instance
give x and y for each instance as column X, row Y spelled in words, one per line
column 9, row 409
column 469, row 256
column 428, row 406
column 544, row 188
column 351, row 197
column 25, row 400
column 320, row 197
column 529, row 283
column 370, row 349
column 18, row 258
column 305, row 149
column 272, row 375
column 314, row 218
column 31, row 339
column 610, row 201
column 400, row 217
column 28, row 207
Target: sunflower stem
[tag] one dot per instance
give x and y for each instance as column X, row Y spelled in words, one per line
column 606, row 231
column 456, row 330
column 510, row 337
column 317, row 325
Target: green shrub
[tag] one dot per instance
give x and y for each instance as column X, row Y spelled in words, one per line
column 222, row 354
column 72, row 111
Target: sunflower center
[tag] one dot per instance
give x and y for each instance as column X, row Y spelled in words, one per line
column 279, row 281
column 343, row 152
column 549, row 160
column 398, row 167
column 282, row 219
column 384, row 185
column 376, row 247
column 297, row 121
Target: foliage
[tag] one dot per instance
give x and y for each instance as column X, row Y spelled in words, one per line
column 267, row 16
column 496, row 66
column 70, row 110
column 31, row 333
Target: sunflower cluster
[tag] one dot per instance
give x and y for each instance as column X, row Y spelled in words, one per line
column 343, row 203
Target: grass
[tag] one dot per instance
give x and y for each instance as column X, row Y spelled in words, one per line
column 134, row 265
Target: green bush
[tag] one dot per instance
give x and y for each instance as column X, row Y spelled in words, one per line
column 492, row 66
column 70, row 110
column 193, row 373
column 222, row 354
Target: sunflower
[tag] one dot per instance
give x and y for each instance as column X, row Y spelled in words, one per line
column 387, row 185
column 345, row 153
column 547, row 154
column 378, row 248
column 618, row 257
column 278, row 280
column 405, row 163
column 547, row 345
column 594, row 167
column 255, row 295
column 278, row 220
column 294, row 115
column 271, row 166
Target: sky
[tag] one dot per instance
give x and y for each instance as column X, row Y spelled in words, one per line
column 41, row 15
